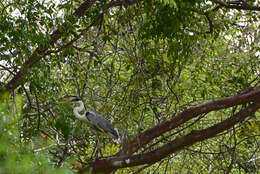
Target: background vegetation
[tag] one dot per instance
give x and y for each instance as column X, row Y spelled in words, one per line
column 179, row 80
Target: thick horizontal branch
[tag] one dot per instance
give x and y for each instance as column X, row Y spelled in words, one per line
column 124, row 2
column 110, row 164
column 147, row 136
column 239, row 5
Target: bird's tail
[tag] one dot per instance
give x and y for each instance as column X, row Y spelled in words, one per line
column 115, row 136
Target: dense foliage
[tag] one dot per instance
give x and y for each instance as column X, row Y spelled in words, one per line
column 140, row 63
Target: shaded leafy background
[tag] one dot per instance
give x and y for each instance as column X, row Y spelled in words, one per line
column 137, row 65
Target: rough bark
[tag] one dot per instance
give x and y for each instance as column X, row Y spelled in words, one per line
column 39, row 53
column 147, row 136
column 238, row 5
column 110, row 164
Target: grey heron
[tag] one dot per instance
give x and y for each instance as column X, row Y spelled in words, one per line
column 93, row 118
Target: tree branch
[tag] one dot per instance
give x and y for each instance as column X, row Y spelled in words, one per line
column 211, row 26
column 110, row 164
column 142, row 139
column 39, row 53
column 236, row 4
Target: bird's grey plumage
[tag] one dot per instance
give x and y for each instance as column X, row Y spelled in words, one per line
column 101, row 123
column 94, row 119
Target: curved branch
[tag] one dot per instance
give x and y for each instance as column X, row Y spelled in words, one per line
column 39, row 53
column 186, row 115
column 107, row 165
column 211, row 26
column 236, row 4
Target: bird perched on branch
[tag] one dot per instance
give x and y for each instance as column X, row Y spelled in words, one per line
column 93, row 118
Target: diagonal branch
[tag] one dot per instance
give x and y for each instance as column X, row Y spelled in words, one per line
column 207, row 14
column 109, row 164
column 41, row 51
column 106, row 7
column 239, row 5
column 142, row 139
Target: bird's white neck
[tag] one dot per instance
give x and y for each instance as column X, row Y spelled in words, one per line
column 77, row 111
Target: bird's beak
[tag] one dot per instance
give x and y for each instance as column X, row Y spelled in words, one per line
column 64, row 102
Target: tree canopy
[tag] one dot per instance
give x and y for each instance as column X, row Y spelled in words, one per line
column 180, row 80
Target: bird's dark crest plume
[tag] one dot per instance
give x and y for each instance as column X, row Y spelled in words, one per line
column 75, row 99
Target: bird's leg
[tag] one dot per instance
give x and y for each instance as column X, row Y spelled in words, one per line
column 100, row 147
column 98, row 151
column 97, row 147
column 104, row 142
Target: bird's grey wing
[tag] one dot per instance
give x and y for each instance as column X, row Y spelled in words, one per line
column 104, row 124
column 90, row 116
column 109, row 128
